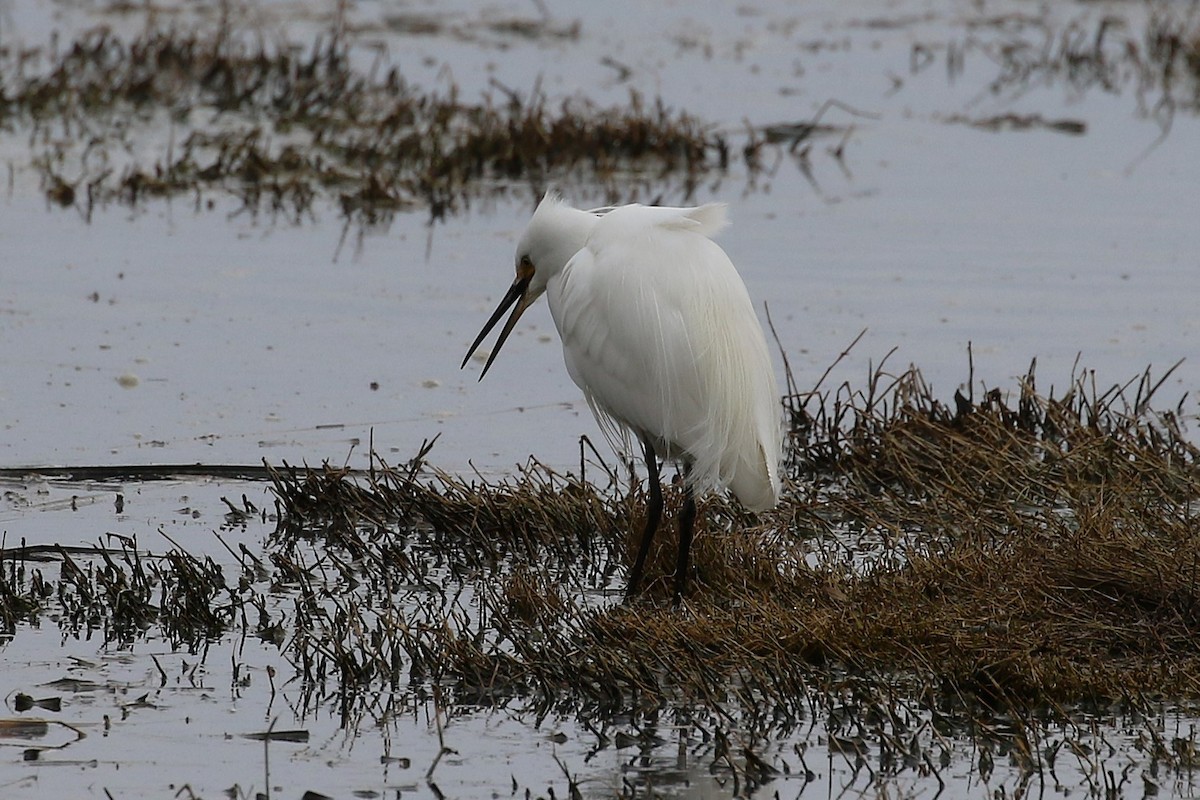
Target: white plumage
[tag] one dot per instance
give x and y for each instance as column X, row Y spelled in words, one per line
column 660, row 334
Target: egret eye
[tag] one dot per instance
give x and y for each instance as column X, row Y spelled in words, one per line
column 525, row 268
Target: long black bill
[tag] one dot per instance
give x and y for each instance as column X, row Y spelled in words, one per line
column 516, row 294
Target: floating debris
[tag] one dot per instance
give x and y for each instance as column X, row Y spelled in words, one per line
column 1022, row 122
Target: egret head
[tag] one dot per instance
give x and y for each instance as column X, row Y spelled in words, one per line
column 554, row 234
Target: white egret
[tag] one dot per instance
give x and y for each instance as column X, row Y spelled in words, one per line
column 659, row 332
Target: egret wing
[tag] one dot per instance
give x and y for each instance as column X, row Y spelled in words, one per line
column 659, row 333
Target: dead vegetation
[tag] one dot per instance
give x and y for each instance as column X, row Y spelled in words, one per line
column 1039, row 552
column 287, row 129
column 280, row 126
column 1160, row 60
column 1152, row 53
column 119, row 593
column 992, row 568
column 1006, row 552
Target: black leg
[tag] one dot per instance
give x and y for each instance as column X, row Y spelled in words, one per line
column 653, row 515
column 687, row 522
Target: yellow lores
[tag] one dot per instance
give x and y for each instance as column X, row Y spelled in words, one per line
column 658, row 331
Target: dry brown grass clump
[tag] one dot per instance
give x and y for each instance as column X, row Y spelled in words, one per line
column 928, row 562
column 1026, row 553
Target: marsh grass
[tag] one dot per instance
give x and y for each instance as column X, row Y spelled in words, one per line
column 289, row 128
column 1029, row 552
column 120, row 594
column 1159, row 59
column 1001, row 570
column 1153, row 55
column 280, row 126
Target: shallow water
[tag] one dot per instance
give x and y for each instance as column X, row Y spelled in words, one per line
column 167, row 335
